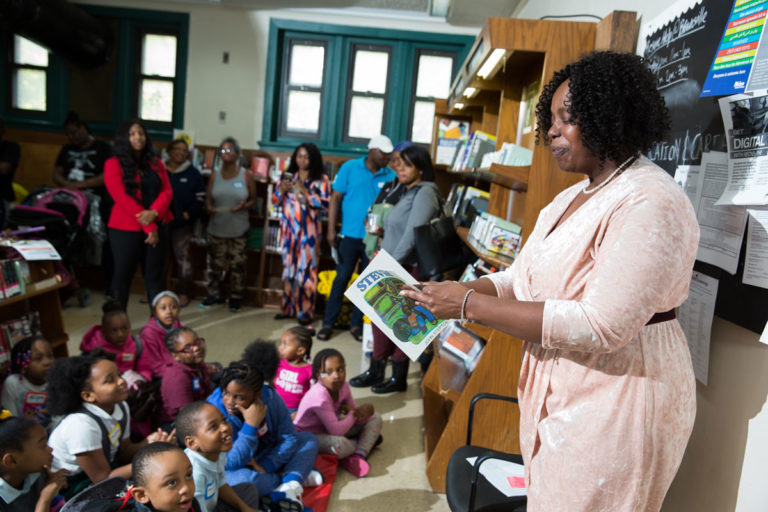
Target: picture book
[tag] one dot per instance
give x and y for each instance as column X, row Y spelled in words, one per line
column 462, row 343
column 376, row 292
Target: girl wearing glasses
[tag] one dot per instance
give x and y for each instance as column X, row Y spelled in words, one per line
column 186, row 379
column 231, row 193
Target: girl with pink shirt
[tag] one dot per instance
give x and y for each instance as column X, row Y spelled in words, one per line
column 294, row 371
column 164, row 319
column 328, row 410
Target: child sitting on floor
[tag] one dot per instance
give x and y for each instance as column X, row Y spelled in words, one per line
column 186, row 378
column 294, row 373
column 164, row 319
column 26, row 481
column 201, row 427
column 267, row 452
column 114, row 335
column 162, row 482
column 328, row 410
column 92, row 440
column 25, row 391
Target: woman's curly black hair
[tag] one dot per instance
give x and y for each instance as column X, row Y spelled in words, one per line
column 316, row 168
column 68, row 378
column 614, row 100
column 129, row 161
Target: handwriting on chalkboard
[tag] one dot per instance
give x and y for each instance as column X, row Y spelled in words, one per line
column 666, row 51
column 686, row 148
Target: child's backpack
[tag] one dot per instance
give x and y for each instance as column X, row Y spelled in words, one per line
column 110, row 495
column 105, row 443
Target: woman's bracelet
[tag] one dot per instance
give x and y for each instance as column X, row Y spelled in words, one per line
column 464, row 304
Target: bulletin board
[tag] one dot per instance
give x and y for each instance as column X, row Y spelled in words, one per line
column 680, row 53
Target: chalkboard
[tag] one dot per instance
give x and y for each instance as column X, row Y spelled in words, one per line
column 680, row 52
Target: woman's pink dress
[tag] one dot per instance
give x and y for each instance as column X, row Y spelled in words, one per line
column 607, row 402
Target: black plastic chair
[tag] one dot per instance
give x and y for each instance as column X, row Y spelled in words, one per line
column 466, row 489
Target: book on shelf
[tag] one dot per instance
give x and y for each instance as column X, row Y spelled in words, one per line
column 259, row 167
column 470, row 153
column 462, row 343
column 14, row 277
column 496, row 235
column 450, row 136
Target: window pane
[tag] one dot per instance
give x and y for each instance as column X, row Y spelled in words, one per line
column 434, row 79
column 158, row 56
column 156, row 100
column 370, row 74
column 307, row 65
column 303, row 111
column 29, row 89
column 423, row 117
column 27, row 52
column 365, row 116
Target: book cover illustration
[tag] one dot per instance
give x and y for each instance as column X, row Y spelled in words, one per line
column 376, row 292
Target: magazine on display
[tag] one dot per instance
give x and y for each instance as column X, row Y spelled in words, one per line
column 376, row 292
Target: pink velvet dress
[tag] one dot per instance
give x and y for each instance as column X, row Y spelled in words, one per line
column 607, row 402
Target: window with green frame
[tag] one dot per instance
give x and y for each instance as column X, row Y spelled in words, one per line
column 145, row 77
column 338, row 86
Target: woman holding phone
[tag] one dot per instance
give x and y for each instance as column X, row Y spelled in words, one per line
column 302, row 196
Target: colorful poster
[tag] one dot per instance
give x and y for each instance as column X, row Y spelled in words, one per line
column 737, row 55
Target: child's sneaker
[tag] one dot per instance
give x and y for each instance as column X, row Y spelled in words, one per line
column 210, row 301
column 287, row 497
column 314, row 478
column 356, row 465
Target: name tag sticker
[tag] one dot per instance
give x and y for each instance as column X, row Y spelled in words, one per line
column 238, row 184
column 263, row 430
column 183, row 180
column 196, row 383
column 34, row 398
column 127, row 356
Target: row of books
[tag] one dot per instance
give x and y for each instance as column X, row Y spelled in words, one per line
column 469, row 153
column 13, row 331
column 274, row 239
column 496, row 235
column 14, row 278
column 462, row 199
column 509, row 154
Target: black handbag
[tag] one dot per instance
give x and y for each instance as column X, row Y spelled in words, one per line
column 438, row 247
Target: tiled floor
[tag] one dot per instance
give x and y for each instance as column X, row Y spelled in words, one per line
column 397, row 480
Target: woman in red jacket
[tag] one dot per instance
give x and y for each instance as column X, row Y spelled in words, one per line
column 139, row 184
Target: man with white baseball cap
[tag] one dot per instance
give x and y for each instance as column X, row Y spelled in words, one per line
column 355, row 187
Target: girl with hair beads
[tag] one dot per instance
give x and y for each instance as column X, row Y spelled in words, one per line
column 25, row 391
column 26, row 480
column 328, row 410
column 294, row 373
column 164, row 319
column 92, row 440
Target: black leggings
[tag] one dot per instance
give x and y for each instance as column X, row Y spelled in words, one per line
column 128, row 249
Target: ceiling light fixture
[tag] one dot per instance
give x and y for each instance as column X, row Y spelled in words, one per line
column 491, row 63
column 470, row 92
column 439, row 8
column 458, row 106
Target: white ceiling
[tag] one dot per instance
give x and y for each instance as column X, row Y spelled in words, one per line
column 460, row 12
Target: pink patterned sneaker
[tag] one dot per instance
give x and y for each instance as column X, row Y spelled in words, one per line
column 356, row 465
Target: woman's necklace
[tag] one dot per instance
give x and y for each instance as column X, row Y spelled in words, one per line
column 626, row 163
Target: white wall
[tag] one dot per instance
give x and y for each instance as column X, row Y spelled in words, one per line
column 726, row 463
column 237, row 88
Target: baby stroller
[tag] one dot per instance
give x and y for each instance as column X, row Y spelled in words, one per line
column 63, row 213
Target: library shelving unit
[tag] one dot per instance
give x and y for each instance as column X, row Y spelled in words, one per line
column 510, row 59
column 42, row 295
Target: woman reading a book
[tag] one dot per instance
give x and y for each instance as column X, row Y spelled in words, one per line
column 301, row 196
column 607, row 392
column 419, row 204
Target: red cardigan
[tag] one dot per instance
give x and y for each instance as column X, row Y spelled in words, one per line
column 128, row 207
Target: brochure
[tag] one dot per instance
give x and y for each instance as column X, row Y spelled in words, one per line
column 376, row 292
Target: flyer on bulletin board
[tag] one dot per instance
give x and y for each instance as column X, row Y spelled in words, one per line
column 741, row 61
column 376, row 292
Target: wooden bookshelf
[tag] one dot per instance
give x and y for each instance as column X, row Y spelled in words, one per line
column 531, row 51
column 42, row 295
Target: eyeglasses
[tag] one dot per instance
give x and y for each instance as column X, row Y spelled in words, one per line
column 198, row 343
column 224, row 151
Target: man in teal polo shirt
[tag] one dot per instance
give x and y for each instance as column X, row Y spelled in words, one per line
column 356, row 186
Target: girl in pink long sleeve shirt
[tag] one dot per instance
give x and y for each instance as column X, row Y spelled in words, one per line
column 328, row 410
